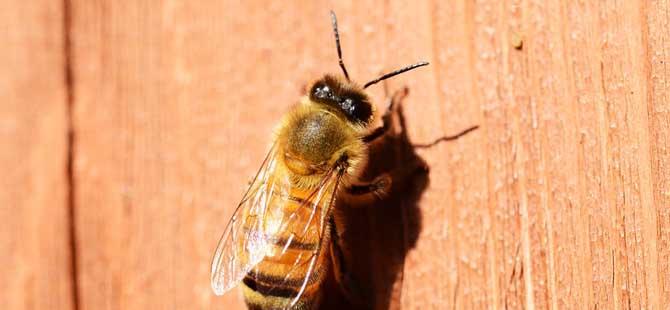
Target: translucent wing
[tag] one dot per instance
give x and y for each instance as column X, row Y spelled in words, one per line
column 243, row 245
column 296, row 237
column 275, row 222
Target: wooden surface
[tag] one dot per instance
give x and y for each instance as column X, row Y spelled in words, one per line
column 36, row 259
column 560, row 199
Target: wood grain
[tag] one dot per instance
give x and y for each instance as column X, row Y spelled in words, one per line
column 35, row 265
column 559, row 200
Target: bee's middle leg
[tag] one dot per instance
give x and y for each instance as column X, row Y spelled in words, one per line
column 378, row 188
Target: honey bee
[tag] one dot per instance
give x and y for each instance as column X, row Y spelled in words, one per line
column 279, row 244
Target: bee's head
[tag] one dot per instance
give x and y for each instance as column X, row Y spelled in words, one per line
column 343, row 96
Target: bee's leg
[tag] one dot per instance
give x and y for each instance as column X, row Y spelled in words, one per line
column 445, row 138
column 363, row 194
column 378, row 188
column 394, row 100
column 343, row 276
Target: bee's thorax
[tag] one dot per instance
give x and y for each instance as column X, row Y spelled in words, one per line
column 315, row 137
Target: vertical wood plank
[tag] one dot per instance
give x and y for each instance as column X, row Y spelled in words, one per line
column 459, row 232
column 35, row 263
column 154, row 118
column 447, row 103
column 656, row 14
column 628, row 159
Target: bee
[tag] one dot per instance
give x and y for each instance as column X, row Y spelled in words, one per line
column 279, row 244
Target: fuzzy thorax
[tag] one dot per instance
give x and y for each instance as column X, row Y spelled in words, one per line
column 313, row 138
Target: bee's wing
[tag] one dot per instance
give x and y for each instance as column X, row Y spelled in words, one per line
column 255, row 232
column 243, row 244
column 304, row 223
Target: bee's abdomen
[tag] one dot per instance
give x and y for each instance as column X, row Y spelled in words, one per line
column 275, row 281
column 259, row 293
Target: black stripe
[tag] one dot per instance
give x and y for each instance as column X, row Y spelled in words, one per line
column 253, row 306
column 264, row 289
column 295, row 244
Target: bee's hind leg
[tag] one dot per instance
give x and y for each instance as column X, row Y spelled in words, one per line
column 345, row 279
column 394, row 100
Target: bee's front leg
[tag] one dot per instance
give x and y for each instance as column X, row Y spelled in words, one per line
column 394, row 100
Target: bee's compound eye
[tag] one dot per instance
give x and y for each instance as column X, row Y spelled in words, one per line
column 348, row 106
column 356, row 107
column 322, row 92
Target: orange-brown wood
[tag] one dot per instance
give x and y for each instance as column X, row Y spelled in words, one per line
column 35, row 264
column 560, row 199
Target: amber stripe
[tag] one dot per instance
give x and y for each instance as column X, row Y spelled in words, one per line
column 295, row 243
column 278, row 286
column 298, row 200
column 281, row 241
column 274, row 280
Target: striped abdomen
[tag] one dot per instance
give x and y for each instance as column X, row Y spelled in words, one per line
column 292, row 226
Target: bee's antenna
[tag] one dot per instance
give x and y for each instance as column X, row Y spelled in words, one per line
column 337, row 42
column 394, row 73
